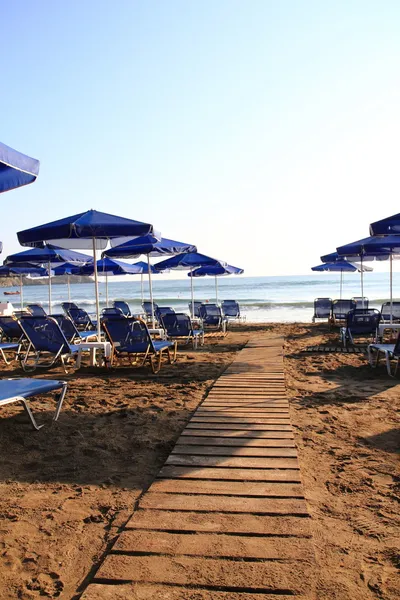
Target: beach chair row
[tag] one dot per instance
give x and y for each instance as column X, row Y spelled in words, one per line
column 336, row 311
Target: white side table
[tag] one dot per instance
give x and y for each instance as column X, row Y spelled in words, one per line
column 92, row 347
column 158, row 331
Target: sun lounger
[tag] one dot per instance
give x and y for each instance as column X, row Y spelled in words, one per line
column 10, row 329
column 81, row 318
column 360, row 322
column 130, row 338
column 231, row 309
column 71, row 333
column 45, row 341
column 179, row 325
column 111, row 313
column 147, row 309
column 386, row 309
column 36, row 310
column 20, row 390
column 361, row 302
column 211, row 316
column 340, row 309
column 390, row 351
column 123, row 306
column 197, row 305
column 322, row 308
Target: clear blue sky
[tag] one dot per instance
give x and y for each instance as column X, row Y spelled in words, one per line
column 265, row 132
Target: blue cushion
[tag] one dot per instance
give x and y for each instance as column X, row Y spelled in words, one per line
column 9, row 346
column 27, row 387
column 161, row 345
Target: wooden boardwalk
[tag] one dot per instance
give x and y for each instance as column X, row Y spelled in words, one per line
column 226, row 517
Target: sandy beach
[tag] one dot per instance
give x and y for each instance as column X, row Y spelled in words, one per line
column 67, row 489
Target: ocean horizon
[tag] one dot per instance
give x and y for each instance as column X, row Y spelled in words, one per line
column 262, row 299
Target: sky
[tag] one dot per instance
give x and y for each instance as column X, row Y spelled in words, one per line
column 266, row 133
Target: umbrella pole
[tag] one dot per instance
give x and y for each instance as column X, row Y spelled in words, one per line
column 341, row 284
column 69, row 288
column 391, row 288
column 106, row 288
column 96, row 285
column 141, row 286
column 362, row 283
column 21, row 293
column 49, row 288
column 151, row 293
column 192, row 291
column 216, row 290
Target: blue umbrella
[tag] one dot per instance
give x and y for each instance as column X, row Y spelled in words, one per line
column 342, row 266
column 150, row 246
column 216, row 271
column 16, row 169
column 49, row 255
column 108, row 266
column 145, row 269
column 185, row 262
column 90, row 229
column 388, row 226
column 383, row 246
column 10, row 271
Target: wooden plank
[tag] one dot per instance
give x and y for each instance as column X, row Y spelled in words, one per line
column 206, row 544
column 236, row 442
column 271, row 576
column 243, row 420
column 213, row 522
column 270, row 506
column 143, row 591
column 232, row 461
column 229, row 488
column 238, row 433
column 231, row 412
column 233, row 474
column 244, row 426
column 183, row 449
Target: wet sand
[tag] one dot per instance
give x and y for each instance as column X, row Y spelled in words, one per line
column 67, row 489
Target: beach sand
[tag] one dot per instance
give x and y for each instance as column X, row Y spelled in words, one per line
column 66, row 490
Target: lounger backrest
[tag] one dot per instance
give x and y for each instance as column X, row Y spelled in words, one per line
column 322, row 308
column 10, row 328
column 67, row 305
column 385, row 310
column 361, row 302
column 340, row 308
column 163, row 310
column 79, row 316
column 147, row 307
column 67, row 326
column 112, row 313
column 45, row 334
column 363, row 320
column 36, row 310
column 128, row 334
column 123, row 306
column 177, row 324
column 211, row 314
column 197, row 305
column 230, row 308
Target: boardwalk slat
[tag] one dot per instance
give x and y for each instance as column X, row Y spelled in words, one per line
column 236, row 426
column 210, row 450
column 238, row 488
column 236, row 474
column 236, row 442
column 233, row 461
column 239, row 433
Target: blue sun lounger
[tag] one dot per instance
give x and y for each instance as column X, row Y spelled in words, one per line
column 360, row 322
column 45, row 340
column 131, row 338
column 20, row 390
column 179, row 325
column 123, row 306
column 68, row 328
column 211, row 316
column 390, row 352
column 36, row 310
column 80, row 317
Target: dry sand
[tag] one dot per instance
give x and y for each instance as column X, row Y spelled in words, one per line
column 66, row 490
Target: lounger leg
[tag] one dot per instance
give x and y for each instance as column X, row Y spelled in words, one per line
column 155, row 362
column 388, row 366
column 30, row 414
column 60, row 402
column 173, row 359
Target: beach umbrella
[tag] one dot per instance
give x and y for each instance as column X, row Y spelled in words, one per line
column 16, row 169
column 145, row 268
column 378, row 248
column 149, row 245
column 216, row 271
column 20, row 271
column 48, row 255
column 67, row 269
column 108, row 266
column 90, row 229
column 188, row 262
column 340, row 266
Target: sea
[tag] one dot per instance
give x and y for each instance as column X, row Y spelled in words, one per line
column 262, row 299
